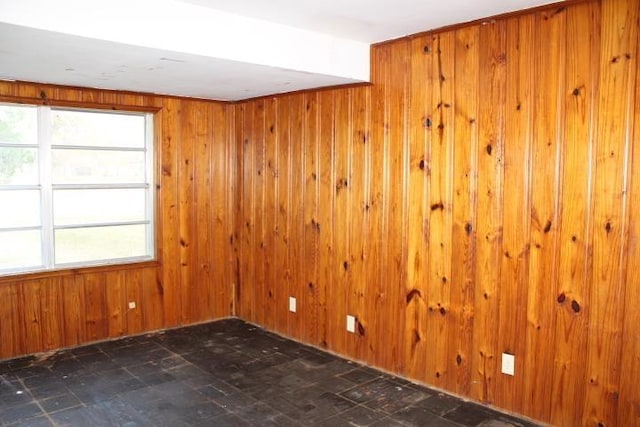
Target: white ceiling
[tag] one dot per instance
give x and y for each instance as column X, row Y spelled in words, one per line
column 44, row 56
column 369, row 21
column 215, row 49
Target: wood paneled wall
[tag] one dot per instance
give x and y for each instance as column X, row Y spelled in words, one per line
column 481, row 197
column 196, row 269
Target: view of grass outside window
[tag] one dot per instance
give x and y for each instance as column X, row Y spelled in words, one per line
column 75, row 188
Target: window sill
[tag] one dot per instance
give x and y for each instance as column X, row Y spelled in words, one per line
column 76, row 271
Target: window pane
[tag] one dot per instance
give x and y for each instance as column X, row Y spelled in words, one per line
column 19, row 208
column 20, row 249
column 18, row 166
column 18, row 124
column 98, row 206
column 98, row 167
column 100, row 243
column 97, row 129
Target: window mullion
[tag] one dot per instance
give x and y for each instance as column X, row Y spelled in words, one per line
column 46, row 191
column 150, row 192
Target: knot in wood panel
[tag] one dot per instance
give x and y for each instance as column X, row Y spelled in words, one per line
column 575, row 306
column 437, row 206
column 361, row 329
column 413, row 294
column 468, row 228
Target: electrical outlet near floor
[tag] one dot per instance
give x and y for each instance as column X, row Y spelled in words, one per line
column 292, row 304
column 351, row 323
column 508, row 364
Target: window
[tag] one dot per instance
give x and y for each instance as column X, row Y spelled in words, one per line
column 75, row 188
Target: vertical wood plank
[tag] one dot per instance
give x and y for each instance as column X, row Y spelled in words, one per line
column 220, row 244
column 233, row 204
column 52, row 314
column 489, row 212
column 359, row 244
column 95, row 307
column 340, row 194
column 115, row 303
column 325, row 222
column 73, row 308
column 283, row 217
column 154, row 299
column 189, row 289
column 270, row 215
column 420, row 122
column 440, row 208
column 617, row 70
column 516, row 206
column 12, row 342
column 311, row 301
column 376, row 278
column 629, row 394
column 545, row 192
column 208, row 268
column 170, row 282
column 31, row 313
column 397, row 206
column 296, row 191
column 133, row 293
column 246, row 309
column 261, row 137
column 574, row 272
column 465, row 152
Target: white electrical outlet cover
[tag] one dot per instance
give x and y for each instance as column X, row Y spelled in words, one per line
column 508, row 364
column 292, row 304
column 132, row 305
column 351, row 324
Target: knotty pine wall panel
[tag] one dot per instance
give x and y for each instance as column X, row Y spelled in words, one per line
column 480, row 197
column 193, row 279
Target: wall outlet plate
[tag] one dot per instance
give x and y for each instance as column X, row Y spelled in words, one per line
column 351, row 323
column 508, row 364
column 132, row 305
column 292, row 304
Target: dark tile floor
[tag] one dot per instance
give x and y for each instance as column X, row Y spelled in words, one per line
column 225, row 373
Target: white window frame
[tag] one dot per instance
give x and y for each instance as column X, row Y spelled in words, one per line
column 47, row 227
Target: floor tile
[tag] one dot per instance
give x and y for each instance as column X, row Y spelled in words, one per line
column 469, row 414
column 415, row 416
column 15, row 397
column 229, row 420
column 361, row 375
column 14, row 414
column 385, row 395
column 41, row 421
column 312, row 403
column 58, row 403
column 235, row 402
column 439, row 403
column 361, row 416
